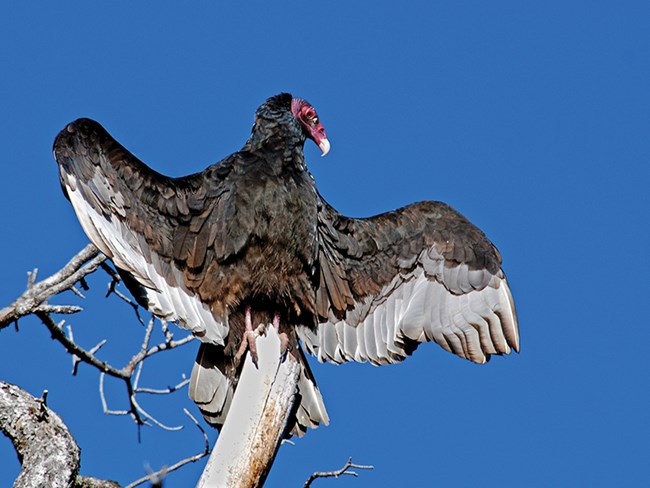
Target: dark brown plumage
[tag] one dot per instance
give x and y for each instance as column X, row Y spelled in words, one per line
column 253, row 231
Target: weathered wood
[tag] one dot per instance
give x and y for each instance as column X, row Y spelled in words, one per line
column 47, row 451
column 252, row 434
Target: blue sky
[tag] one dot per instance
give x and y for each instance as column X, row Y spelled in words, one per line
column 531, row 118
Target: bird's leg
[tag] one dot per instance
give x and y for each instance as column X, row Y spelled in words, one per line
column 248, row 339
column 284, row 338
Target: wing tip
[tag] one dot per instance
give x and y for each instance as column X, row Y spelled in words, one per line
column 81, row 125
column 511, row 325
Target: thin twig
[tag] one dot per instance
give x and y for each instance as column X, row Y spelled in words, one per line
column 103, row 398
column 116, row 279
column 31, row 278
column 125, row 374
column 57, row 333
column 166, row 332
column 132, row 372
column 168, row 345
column 166, row 391
column 192, row 459
column 164, row 346
column 148, row 416
column 335, row 474
column 75, row 359
column 76, row 291
column 111, row 272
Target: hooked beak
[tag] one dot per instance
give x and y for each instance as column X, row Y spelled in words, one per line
column 324, row 145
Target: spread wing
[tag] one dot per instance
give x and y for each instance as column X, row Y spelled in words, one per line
column 160, row 232
column 417, row 274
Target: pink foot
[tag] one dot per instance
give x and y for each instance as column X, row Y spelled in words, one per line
column 284, row 338
column 248, row 339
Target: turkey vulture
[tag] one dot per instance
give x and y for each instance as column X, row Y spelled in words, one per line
column 249, row 241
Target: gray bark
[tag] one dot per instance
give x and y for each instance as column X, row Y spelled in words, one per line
column 47, row 451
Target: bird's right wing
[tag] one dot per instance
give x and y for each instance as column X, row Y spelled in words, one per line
column 158, row 231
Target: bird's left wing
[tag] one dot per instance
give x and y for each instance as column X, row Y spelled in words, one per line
column 417, row 274
column 156, row 230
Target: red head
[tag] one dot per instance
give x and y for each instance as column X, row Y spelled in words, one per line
column 306, row 115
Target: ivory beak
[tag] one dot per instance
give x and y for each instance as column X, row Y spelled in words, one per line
column 324, row 146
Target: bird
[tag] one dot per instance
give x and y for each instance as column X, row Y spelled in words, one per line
column 250, row 240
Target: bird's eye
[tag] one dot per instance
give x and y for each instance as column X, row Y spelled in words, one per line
column 309, row 116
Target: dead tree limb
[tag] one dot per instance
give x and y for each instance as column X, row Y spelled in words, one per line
column 47, row 451
column 34, row 299
column 257, row 419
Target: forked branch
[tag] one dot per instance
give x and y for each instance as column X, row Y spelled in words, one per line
column 35, row 298
column 346, row 469
column 34, row 301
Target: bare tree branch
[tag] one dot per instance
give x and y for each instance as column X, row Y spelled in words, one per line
column 84, row 263
column 59, row 335
column 112, row 289
column 335, row 474
column 159, row 475
column 165, row 391
column 47, row 451
column 62, row 309
column 257, row 419
column 34, row 301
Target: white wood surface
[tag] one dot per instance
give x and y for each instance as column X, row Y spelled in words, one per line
column 252, row 434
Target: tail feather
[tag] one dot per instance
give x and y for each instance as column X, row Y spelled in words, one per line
column 212, row 387
column 311, row 409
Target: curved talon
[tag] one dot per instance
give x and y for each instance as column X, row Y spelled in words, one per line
column 284, row 338
column 250, row 336
column 247, row 343
column 248, row 339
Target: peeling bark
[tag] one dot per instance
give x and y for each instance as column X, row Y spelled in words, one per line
column 47, row 451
